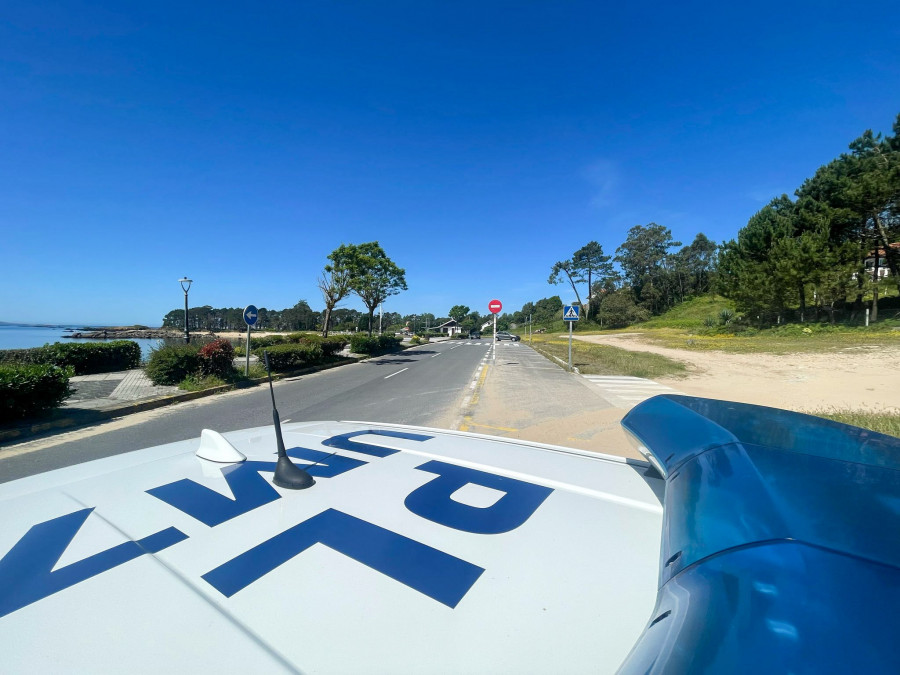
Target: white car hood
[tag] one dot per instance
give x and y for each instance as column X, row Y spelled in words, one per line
column 453, row 552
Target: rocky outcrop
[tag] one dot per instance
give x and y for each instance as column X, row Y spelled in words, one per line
column 125, row 334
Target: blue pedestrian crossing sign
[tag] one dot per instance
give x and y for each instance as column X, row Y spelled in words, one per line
column 251, row 314
column 570, row 312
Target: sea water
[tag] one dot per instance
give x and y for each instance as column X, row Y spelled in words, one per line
column 23, row 337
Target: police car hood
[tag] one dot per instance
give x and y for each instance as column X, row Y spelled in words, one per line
column 416, row 550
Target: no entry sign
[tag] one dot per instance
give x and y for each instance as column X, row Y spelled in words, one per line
column 495, row 306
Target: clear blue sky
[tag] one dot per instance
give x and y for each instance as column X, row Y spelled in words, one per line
column 479, row 142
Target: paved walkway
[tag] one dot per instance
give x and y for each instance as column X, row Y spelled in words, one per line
column 109, row 390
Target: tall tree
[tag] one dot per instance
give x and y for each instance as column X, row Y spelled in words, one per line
column 334, row 282
column 747, row 264
column 374, row 276
column 566, row 267
column 590, row 263
column 547, row 310
column 697, row 263
column 458, row 313
column 643, row 257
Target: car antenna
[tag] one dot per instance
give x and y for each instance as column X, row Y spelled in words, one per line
column 287, row 474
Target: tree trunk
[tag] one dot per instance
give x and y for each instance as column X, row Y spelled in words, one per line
column 587, row 313
column 327, row 321
column 874, row 316
column 802, row 291
column 572, row 282
column 860, row 274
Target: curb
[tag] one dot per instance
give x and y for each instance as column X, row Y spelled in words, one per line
column 77, row 417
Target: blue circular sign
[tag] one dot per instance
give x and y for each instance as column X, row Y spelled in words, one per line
column 251, row 314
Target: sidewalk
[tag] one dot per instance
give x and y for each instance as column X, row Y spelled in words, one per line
column 528, row 398
column 111, row 390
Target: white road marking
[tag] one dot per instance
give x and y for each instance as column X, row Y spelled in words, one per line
column 397, row 373
column 625, row 391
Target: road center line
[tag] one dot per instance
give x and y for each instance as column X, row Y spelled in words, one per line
column 436, row 355
column 397, row 373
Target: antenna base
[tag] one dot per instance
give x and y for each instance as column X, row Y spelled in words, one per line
column 290, row 476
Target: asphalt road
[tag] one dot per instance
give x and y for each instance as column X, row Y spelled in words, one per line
column 422, row 386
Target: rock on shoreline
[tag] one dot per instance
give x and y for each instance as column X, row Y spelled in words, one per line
column 124, row 334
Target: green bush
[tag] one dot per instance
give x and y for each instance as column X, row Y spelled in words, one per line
column 266, row 341
column 388, row 343
column 334, row 344
column 330, row 345
column 170, row 364
column 199, row 383
column 216, row 359
column 85, row 358
column 288, row 356
column 360, row 343
column 29, row 389
column 300, row 337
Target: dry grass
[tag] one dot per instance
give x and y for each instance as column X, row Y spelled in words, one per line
column 775, row 342
column 592, row 359
column 881, row 421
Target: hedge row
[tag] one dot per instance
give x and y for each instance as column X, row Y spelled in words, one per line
column 85, row 358
column 173, row 363
column 28, row 389
column 330, row 345
column 377, row 344
column 288, row 356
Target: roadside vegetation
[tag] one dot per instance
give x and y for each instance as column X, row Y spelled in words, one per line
column 85, row 358
column 593, row 359
column 31, row 389
column 880, row 421
column 710, row 323
column 34, row 381
column 198, row 365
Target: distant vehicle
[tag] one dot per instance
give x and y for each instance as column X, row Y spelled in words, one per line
column 503, row 335
column 475, row 334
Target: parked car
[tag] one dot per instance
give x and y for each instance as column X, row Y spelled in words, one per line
column 474, row 334
column 503, row 335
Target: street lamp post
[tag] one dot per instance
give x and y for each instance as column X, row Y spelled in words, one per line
column 186, row 286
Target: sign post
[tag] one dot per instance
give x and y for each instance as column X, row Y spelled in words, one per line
column 570, row 314
column 494, row 306
column 251, row 314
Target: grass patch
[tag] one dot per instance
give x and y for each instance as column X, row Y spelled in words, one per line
column 882, row 422
column 780, row 340
column 692, row 313
column 196, row 383
column 591, row 359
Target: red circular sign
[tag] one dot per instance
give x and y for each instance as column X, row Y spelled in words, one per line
column 495, row 306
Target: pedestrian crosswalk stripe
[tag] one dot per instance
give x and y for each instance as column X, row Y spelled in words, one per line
column 625, row 391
